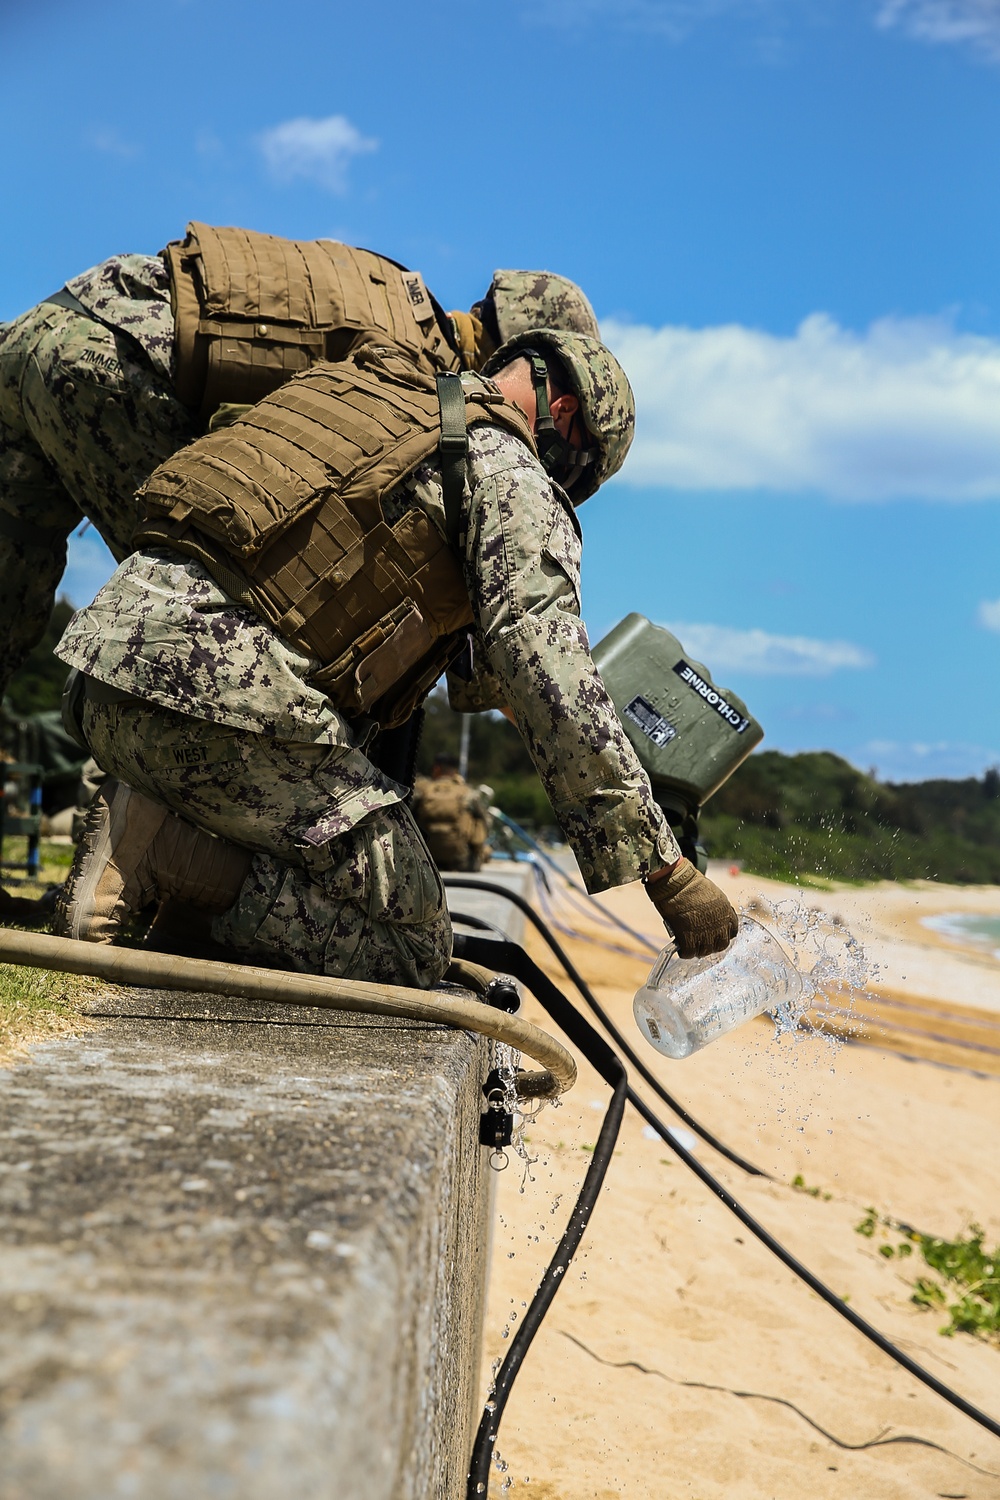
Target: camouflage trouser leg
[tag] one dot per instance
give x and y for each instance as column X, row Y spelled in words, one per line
column 84, row 420
column 341, row 882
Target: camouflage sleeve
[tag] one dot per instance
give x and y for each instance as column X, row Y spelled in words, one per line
column 132, row 293
column 522, row 563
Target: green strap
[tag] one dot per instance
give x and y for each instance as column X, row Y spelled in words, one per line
column 453, row 448
column 28, row 534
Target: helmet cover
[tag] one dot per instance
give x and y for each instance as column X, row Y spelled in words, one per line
column 539, row 299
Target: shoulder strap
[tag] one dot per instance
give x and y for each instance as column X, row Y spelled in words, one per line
column 454, row 449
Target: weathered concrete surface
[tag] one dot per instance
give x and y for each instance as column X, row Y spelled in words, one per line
column 241, row 1255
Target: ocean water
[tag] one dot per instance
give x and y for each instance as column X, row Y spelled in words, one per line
column 968, row 927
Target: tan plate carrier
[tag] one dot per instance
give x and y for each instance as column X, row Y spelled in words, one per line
column 251, row 310
column 284, row 509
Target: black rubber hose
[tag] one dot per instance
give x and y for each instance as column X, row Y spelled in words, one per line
column 509, row 958
column 598, row 1010
column 871, row 1333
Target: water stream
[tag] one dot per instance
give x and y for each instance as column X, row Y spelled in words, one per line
column 833, row 964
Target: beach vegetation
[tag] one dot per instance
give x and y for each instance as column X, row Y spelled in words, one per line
column 965, row 1283
column 800, row 1186
column 812, row 819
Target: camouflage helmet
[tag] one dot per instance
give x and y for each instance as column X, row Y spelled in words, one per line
column 538, row 299
column 607, row 406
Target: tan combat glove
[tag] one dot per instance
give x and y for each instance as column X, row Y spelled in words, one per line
column 698, row 914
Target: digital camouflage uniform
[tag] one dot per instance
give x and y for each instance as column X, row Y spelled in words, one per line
column 342, row 880
column 87, row 412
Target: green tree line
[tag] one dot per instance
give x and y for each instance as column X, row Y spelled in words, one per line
column 814, row 814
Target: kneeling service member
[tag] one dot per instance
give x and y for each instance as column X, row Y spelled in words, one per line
column 304, row 576
column 128, row 363
column 450, row 815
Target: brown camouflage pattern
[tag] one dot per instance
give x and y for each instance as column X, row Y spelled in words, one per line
column 540, row 299
column 341, row 881
column 86, row 413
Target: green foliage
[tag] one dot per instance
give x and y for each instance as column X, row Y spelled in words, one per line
column 799, row 1184
column 789, row 816
column 868, row 1224
column 967, row 1284
column 37, row 686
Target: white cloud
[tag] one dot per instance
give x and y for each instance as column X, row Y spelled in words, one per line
column 895, row 760
column 909, row 408
column 989, row 614
column 317, row 150
column 723, row 649
column 973, row 22
column 106, row 139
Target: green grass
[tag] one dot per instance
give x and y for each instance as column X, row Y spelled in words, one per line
column 55, row 860
column 966, row 1280
column 38, row 1003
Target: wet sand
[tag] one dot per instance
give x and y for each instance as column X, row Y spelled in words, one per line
column 680, row 1358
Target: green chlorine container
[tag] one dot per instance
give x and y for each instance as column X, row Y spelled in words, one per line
column 689, row 734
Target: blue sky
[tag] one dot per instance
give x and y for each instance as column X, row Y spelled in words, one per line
column 784, row 211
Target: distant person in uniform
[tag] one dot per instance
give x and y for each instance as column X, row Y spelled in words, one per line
column 451, row 816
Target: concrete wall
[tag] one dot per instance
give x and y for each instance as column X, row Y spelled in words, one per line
column 242, row 1254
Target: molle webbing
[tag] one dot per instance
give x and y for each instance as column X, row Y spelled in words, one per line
column 284, row 509
column 251, row 310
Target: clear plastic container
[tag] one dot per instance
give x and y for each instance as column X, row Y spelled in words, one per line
column 688, row 1002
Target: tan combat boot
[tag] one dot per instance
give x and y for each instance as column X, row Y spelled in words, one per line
column 133, row 853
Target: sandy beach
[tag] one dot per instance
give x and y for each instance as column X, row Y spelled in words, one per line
column 680, row 1358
